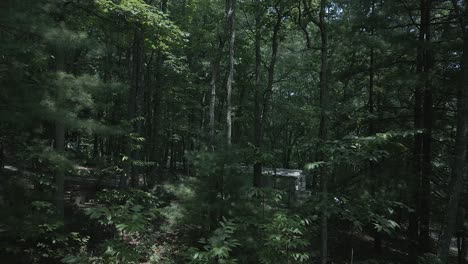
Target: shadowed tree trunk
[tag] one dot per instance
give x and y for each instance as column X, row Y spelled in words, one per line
column 60, row 134
column 136, row 73
column 324, row 104
column 138, row 93
column 457, row 185
column 214, row 79
column 261, row 108
column 155, row 154
column 231, row 27
column 426, row 159
column 371, row 128
column 257, row 173
column 59, row 177
column 418, row 229
column 323, row 129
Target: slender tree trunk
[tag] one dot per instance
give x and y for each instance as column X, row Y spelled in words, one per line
column 203, row 112
column 371, row 128
column 123, row 182
column 271, row 68
column 419, row 219
column 323, row 129
column 148, row 114
column 323, row 124
column 372, row 173
column 214, row 79
column 135, row 60
column 59, row 177
column 156, row 154
column 426, row 158
column 102, row 150
column 261, row 109
column 239, row 114
column 172, row 156
column 95, row 147
column 257, row 168
column 2, row 155
column 459, row 160
column 60, row 138
column 231, row 26
column 166, row 157
column 421, row 144
column 413, row 228
column 139, row 91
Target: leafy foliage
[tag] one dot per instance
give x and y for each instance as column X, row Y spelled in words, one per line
column 218, row 247
column 285, row 241
column 107, row 109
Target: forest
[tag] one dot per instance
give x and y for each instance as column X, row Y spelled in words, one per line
column 235, row 131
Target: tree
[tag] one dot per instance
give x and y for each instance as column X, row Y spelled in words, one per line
column 419, row 218
column 323, row 127
column 457, row 184
column 231, row 28
column 324, row 106
column 60, row 132
column 263, row 95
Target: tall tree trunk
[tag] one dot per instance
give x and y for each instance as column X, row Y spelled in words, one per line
column 257, row 168
column 60, row 135
column 459, row 159
column 419, row 219
column 323, row 124
column 261, row 109
column 372, row 173
column 238, row 129
column 139, row 90
column 323, row 129
column 59, row 177
column 123, row 182
column 135, row 106
column 371, row 128
column 231, row 27
column 426, row 158
column 156, row 155
column 214, row 79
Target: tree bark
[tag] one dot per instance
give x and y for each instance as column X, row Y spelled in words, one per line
column 426, row 159
column 459, row 160
column 139, row 91
column 323, row 129
column 123, row 181
column 321, row 23
column 420, row 184
column 135, row 107
column 155, row 154
column 261, row 108
column 60, row 136
column 231, row 26
column 371, row 128
column 59, row 177
column 214, row 79
column 257, row 171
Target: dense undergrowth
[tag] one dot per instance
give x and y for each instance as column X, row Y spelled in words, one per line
column 181, row 220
